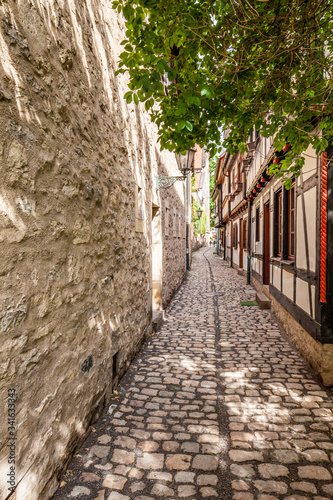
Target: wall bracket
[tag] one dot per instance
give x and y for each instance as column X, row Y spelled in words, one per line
column 165, row 182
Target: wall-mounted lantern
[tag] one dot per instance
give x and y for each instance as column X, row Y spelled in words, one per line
column 184, row 165
column 199, row 213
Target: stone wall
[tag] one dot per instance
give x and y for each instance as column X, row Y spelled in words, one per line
column 77, row 168
column 174, row 240
column 198, row 241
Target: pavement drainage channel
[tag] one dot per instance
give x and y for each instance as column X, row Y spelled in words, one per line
column 213, row 294
column 223, row 418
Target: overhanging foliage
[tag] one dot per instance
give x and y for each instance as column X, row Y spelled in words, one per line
column 234, row 64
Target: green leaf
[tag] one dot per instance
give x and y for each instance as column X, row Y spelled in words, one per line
column 171, row 74
column 206, row 92
column 236, row 66
column 128, row 97
column 180, row 125
column 189, row 126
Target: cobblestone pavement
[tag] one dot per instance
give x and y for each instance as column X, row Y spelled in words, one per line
column 218, row 404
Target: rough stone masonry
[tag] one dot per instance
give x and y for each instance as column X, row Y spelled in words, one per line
column 219, row 405
column 75, row 260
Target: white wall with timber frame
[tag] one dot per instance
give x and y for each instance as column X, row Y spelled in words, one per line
column 290, row 240
column 294, row 282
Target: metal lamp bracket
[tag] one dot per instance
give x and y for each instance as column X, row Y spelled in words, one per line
column 165, row 182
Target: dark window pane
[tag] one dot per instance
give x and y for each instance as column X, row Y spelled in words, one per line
column 292, row 244
column 292, row 198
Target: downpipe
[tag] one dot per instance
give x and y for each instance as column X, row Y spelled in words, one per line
column 248, row 275
column 188, row 220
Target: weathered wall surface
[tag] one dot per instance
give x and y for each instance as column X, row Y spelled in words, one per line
column 75, row 265
column 198, row 241
column 174, row 240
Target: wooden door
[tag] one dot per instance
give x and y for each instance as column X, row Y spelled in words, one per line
column 266, row 244
column 241, row 236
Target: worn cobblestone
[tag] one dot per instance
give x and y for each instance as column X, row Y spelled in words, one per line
column 218, row 404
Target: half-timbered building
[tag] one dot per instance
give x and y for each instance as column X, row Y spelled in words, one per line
column 280, row 239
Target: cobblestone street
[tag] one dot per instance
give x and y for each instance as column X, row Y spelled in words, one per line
column 218, row 404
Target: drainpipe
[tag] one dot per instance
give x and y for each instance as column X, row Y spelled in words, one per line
column 230, row 220
column 220, row 217
column 188, row 220
column 225, row 244
column 248, row 276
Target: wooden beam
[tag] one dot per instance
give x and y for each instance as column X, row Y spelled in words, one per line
column 306, row 241
column 308, row 184
column 306, row 321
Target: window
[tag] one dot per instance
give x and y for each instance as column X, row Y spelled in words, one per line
column 279, row 223
column 139, row 209
column 175, row 228
column 291, row 222
column 258, row 224
column 167, row 222
column 284, row 227
column 235, row 236
column 245, row 234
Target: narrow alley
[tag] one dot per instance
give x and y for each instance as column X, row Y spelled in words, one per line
column 218, row 404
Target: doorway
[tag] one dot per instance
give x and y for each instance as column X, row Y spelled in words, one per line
column 266, row 244
column 241, row 236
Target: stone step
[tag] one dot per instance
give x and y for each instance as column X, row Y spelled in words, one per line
column 263, row 301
